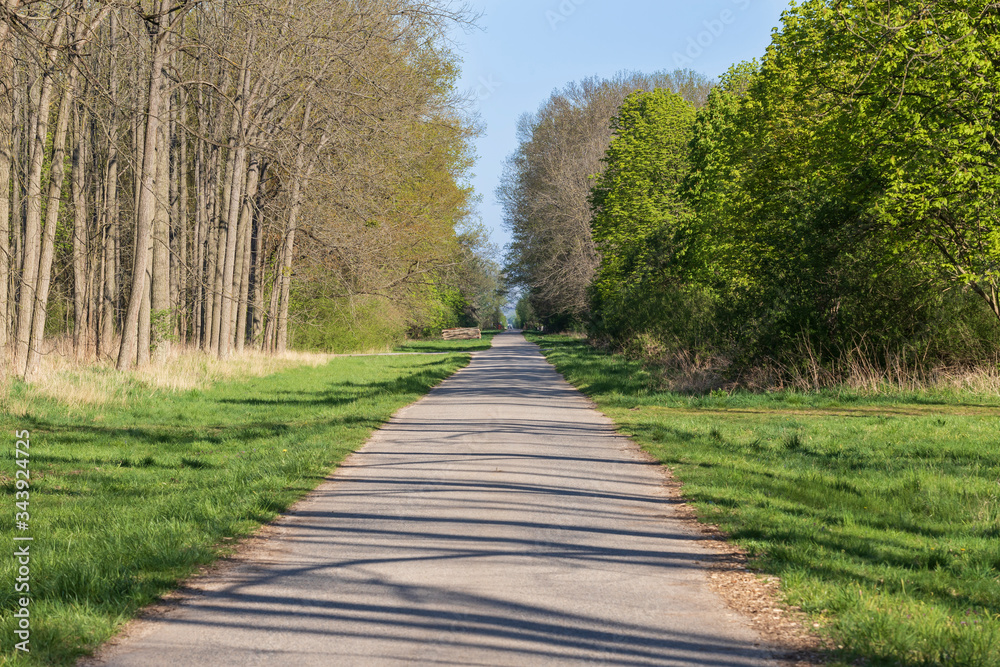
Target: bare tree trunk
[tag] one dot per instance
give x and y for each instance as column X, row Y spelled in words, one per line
column 144, row 340
column 94, row 279
column 6, row 160
column 147, row 198
column 33, row 100
column 161, row 233
column 300, row 175
column 270, row 340
column 110, row 229
column 288, row 252
column 238, row 257
column 217, row 249
column 257, row 278
column 138, row 143
column 281, row 336
column 80, row 238
column 33, row 196
column 200, row 241
column 231, row 234
column 184, row 270
column 56, row 177
column 246, row 231
column 236, row 168
column 173, row 171
column 17, row 212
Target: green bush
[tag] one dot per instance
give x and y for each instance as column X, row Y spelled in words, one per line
column 341, row 325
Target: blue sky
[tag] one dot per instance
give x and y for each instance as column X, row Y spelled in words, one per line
column 528, row 48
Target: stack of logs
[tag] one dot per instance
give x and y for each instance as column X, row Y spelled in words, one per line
column 462, row 334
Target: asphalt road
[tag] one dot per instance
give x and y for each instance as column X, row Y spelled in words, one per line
column 498, row 521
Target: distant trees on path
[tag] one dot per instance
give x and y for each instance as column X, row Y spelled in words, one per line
column 546, row 185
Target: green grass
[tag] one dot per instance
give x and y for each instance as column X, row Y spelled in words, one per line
column 125, row 502
column 438, row 345
column 880, row 514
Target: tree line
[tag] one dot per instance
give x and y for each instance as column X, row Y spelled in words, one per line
column 546, row 184
column 836, row 198
column 168, row 166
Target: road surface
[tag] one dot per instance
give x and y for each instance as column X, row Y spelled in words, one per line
column 498, row 521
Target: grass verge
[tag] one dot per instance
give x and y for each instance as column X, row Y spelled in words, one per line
column 129, row 497
column 438, row 345
column 880, row 514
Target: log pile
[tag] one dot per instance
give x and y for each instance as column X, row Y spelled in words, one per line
column 462, row 334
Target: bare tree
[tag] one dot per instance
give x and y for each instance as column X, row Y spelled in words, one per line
column 6, row 162
column 546, row 185
column 160, row 23
column 182, row 159
column 32, row 244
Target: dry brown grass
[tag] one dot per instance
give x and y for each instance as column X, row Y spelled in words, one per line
column 872, row 371
column 78, row 384
column 682, row 370
column 862, row 369
column 893, row 372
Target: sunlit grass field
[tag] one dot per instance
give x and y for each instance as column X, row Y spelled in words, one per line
column 132, row 492
column 880, row 513
column 438, row 345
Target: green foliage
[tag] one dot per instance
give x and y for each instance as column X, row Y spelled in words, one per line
column 801, row 187
column 438, row 346
column 446, row 309
column 545, row 187
column 131, row 498
column 524, row 314
column 636, row 198
column 161, row 327
column 481, row 283
column 913, row 89
column 339, row 325
column 641, row 225
column 840, row 194
column 880, row 514
column 493, row 319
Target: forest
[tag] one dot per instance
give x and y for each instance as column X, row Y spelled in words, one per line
column 233, row 175
column 825, row 214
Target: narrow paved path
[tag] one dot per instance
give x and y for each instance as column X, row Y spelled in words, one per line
column 499, row 521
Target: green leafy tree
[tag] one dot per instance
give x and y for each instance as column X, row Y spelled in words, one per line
column 815, row 232
column 914, row 88
column 546, row 184
column 784, row 235
column 524, row 314
column 712, row 183
column 642, row 227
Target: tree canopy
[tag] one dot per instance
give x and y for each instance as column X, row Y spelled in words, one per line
column 835, row 199
column 546, row 185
